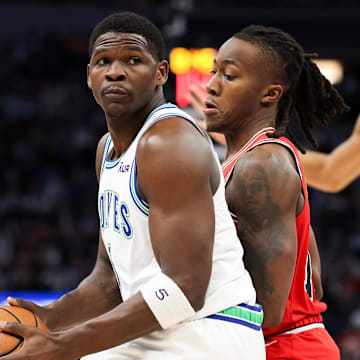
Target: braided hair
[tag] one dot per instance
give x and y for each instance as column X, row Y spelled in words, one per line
column 309, row 97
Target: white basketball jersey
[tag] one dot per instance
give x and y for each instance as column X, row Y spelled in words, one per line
column 125, row 229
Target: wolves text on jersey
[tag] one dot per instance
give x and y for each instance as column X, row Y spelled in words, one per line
column 114, row 213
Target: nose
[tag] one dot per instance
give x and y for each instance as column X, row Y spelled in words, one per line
column 212, row 87
column 116, row 72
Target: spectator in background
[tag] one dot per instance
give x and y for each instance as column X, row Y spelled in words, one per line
column 349, row 341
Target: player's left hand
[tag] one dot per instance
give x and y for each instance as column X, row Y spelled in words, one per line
column 38, row 344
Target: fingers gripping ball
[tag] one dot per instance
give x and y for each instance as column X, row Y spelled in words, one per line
column 11, row 343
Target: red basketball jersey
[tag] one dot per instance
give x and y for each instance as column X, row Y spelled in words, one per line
column 301, row 308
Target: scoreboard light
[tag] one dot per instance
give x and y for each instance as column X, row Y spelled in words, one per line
column 190, row 66
column 180, row 60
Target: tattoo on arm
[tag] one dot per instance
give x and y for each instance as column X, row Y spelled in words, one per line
column 261, row 228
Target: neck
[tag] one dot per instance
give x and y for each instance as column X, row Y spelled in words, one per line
column 236, row 139
column 124, row 128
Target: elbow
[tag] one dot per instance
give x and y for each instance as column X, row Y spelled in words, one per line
column 197, row 303
column 272, row 319
column 319, row 293
column 196, row 298
column 195, row 291
column 333, row 185
column 273, row 312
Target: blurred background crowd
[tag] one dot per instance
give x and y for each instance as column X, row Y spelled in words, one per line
column 50, row 126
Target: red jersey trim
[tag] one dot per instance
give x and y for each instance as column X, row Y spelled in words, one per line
column 229, row 164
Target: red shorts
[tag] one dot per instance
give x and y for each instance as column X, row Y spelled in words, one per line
column 313, row 344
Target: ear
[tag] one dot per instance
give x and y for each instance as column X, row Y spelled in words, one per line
column 88, row 77
column 162, row 73
column 272, row 94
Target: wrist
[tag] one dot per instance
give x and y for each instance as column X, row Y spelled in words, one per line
column 67, row 344
column 166, row 301
column 51, row 316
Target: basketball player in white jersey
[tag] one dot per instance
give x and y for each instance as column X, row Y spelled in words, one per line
column 167, row 241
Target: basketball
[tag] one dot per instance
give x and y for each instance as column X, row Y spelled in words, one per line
column 11, row 343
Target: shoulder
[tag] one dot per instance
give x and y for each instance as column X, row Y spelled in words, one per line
column 174, row 137
column 174, row 154
column 100, row 153
column 275, row 160
column 270, row 168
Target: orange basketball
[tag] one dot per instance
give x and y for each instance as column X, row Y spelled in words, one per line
column 11, row 343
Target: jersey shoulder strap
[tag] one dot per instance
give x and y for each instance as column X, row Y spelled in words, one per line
column 107, row 146
column 284, row 141
column 228, row 165
column 261, row 138
column 169, row 110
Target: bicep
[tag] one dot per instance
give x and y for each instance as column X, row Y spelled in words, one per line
column 267, row 221
column 174, row 177
column 265, row 196
column 182, row 227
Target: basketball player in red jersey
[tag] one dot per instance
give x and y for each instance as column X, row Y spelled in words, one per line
column 329, row 172
column 262, row 82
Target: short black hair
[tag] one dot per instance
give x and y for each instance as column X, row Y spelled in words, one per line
column 129, row 22
column 309, row 97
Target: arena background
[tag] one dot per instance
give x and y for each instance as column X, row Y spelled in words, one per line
column 50, row 126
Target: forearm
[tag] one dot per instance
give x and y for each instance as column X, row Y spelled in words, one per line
column 272, row 273
column 94, row 296
column 334, row 171
column 314, row 164
column 129, row 320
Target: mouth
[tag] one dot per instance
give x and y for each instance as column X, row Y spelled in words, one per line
column 210, row 107
column 115, row 91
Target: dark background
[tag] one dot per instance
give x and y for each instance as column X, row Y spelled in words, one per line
column 50, row 126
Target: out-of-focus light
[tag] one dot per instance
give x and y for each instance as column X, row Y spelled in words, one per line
column 184, row 60
column 180, row 60
column 332, row 69
column 202, row 59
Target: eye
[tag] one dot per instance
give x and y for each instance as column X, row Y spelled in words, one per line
column 134, row 60
column 228, row 76
column 103, row 61
column 213, row 72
